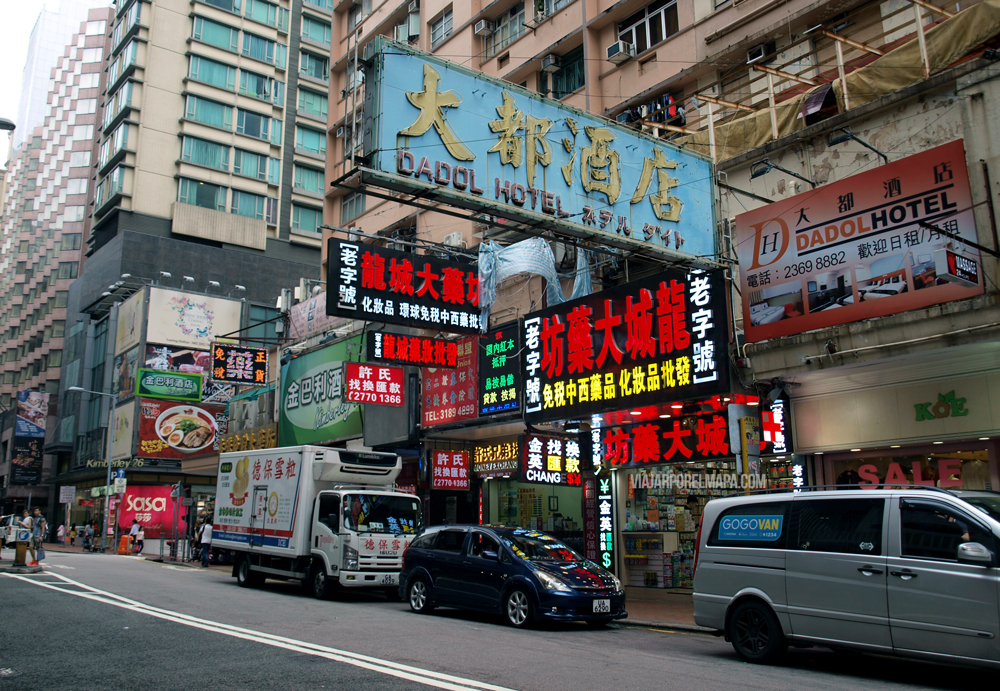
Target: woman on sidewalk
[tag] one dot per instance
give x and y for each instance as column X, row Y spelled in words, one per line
column 72, row 536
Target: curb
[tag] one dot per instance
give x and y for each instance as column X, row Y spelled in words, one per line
column 4, row 568
column 672, row 625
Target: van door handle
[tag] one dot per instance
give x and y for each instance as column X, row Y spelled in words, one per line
column 905, row 575
column 869, row 570
column 466, row 563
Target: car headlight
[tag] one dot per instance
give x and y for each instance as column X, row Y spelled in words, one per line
column 350, row 559
column 618, row 583
column 552, row 583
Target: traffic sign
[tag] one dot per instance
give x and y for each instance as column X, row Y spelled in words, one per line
column 120, row 485
column 67, row 493
column 187, row 501
column 121, row 473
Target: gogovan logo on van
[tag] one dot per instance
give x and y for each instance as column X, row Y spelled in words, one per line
column 767, row 528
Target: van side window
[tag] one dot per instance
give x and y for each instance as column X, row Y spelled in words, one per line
column 760, row 525
column 933, row 530
column 329, row 506
column 846, row 526
column 424, row 541
column 481, row 542
column 451, row 540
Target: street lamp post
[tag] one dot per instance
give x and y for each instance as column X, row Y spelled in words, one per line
column 110, row 434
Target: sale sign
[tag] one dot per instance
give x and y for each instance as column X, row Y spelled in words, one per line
column 153, row 508
column 377, row 384
column 450, row 470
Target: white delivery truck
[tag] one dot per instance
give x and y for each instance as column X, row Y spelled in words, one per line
column 324, row 516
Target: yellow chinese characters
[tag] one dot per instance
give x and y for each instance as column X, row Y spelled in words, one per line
column 432, row 104
column 666, row 207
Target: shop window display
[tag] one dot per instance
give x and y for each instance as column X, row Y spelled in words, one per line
column 556, row 510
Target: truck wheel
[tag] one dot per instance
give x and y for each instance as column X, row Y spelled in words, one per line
column 320, row 583
column 756, row 633
column 419, row 596
column 518, row 609
column 245, row 577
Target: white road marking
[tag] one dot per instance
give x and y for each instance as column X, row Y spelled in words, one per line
column 57, row 566
column 423, row 676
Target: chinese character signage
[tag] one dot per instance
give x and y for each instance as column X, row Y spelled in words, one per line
column 671, row 440
column 605, row 523
column 175, row 359
column 496, row 459
column 314, row 408
column 414, row 350
column 171, row 431
column 550, row 460
column 775, row 427
column 500, row 371
column 856, row 249
column 590, row 518
column 375, row 384
column 258, row 438
column 450, row 395
column 450, row 470
column 657, row 339
column 483, row 143
column 180, row 386
column 239, row 364
column 383, row 285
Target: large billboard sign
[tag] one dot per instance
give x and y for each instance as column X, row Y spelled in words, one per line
column 485, row 144
column 658, row 339
column 857, row 249
column 382, row 285
column 314, row 405
column 190, row 320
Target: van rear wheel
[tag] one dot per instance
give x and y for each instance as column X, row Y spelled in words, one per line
column 756, row 633
column 321, row 587
column 245, row 576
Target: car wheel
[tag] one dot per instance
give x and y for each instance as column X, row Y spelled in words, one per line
column 419, row 596
column 518, row 609
column 245, row 577
column 756, row 633
column 320, row 582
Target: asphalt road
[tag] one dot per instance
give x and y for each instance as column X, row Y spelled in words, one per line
column 94, row 621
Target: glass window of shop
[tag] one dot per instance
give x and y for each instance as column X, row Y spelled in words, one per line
column 950, row 470
column 553, row 509
column 660, row 508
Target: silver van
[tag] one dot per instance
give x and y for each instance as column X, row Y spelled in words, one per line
column 910, row 572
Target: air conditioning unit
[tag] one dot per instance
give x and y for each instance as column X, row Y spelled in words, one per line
column 414, row 6
column 620, row 51
column 484, row 27
column 550, row 63
column 454, row 240
column 340, row 132
column 758, row 53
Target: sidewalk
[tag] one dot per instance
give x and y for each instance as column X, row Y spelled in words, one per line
column 668, row 611
column 148, row 556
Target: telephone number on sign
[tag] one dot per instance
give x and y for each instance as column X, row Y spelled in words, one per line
column 805, row 267
column 373, row 397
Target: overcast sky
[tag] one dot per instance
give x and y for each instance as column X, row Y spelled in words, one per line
column 18, row 18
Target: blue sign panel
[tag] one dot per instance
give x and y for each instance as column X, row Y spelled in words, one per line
column 762, row 528
column 486, row 143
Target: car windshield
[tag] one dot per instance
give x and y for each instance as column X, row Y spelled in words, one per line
column 539, row 547
column 378, row 513
column 987, row 503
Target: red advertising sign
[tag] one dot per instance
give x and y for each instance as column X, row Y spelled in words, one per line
column 171, row 431
column 416, row 350
column 375, row 384
column 153, row 508
column 450, row 395
column 859, row 248
column 673, row 440
column 450, row 470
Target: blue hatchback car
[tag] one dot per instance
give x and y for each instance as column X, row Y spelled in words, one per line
column 522, row 574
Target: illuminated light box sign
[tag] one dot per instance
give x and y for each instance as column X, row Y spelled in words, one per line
column 956, row 268
column 450, row 470
column 658, row 339
column 413, row 350
column 498, row 459
column 450, row 394
column 181, row 386
column 856, row 248
column 775, row 427
column 500, row 371
column 550, row 460
column 486, row 144
column 239, row 364
column 671, row 440
column 382, row 285
column 376, row 384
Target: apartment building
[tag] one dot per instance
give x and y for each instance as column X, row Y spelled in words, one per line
column 44, row 223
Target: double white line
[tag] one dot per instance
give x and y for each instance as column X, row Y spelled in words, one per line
column 422, row 676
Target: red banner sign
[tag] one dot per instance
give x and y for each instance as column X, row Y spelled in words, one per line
column 674, row 440
column 450, row 470
column 375, row 384
column 416, row 350
column 153, row 508
column 450, row 395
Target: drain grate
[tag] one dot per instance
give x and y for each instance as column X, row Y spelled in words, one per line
column 8, row 672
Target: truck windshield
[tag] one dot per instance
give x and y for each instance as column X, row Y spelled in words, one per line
column 378, row 513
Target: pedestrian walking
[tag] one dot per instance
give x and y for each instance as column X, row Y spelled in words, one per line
column 88, row 537
column 61, row 534
column 72, row 536
column 140, row 539
column 206, row 541
column 133, row 533
column 38, row 529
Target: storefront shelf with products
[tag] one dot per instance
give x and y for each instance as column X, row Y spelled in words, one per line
column 657, row 559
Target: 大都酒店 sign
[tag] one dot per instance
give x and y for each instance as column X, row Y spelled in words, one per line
column 659, row 339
